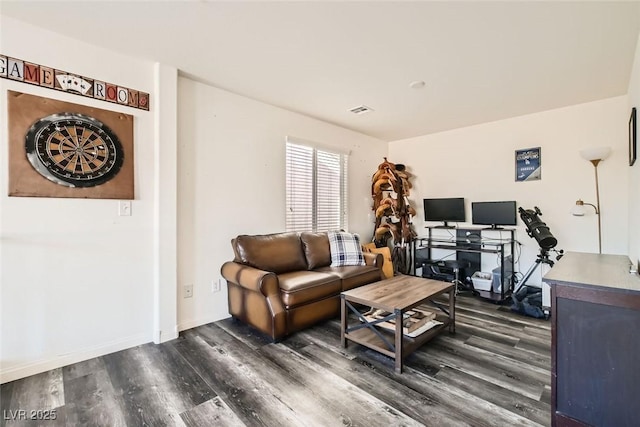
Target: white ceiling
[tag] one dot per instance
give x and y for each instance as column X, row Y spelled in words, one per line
column 481, row 61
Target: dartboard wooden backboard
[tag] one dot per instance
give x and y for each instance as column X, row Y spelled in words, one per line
column 60, row 149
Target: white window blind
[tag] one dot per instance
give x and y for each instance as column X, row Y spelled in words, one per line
column 316, row 189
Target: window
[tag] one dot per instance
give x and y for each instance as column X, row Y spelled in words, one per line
column 316, row 188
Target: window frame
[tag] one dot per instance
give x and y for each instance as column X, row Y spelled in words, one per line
column 343, row 202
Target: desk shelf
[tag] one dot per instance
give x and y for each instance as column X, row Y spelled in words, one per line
column 494, row 296
column 463, row 244
column 480, row 250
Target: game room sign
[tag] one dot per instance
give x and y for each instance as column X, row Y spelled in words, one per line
column 39, row 75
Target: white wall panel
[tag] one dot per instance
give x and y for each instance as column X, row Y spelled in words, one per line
column 76, row 279
column 231, row 181
column 478, row 163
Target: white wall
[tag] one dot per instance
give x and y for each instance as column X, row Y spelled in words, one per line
column 231, row 175
column 634, row 171
column 477, row 163
column 165, row 110
column 76, row 280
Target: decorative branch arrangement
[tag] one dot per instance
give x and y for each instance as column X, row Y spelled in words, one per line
column 390, row 188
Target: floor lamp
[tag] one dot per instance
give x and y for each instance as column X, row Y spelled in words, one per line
column 595, row 156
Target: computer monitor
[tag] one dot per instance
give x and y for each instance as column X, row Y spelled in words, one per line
column 494, row 214
column 444, row 209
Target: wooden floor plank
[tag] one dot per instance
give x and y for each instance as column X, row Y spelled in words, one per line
column 457, row 400
column 6, row 395
column 354, row 405
column 472, row 330
column 425, row 409
column 503, row 314
column 234, row 373
column 148, row 387
column 91, row 399
column 188, row 385
column 531, row 357
column 244, row 333
column 534, row 345
column 503, row 329
column 543, row 334
column 40, row 392
column 317, row 404
column 488, row 357
column 213, row 412
column 546, row 395
column 493, row 372
column 498, row 374
column 532, row 409
column 83, row 368
column 493, row 317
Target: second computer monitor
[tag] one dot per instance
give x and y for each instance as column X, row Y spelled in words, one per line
column 494, row 214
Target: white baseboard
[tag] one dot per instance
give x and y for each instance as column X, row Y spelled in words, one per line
column 192, row 323
column 43, row 365
column 161, row 336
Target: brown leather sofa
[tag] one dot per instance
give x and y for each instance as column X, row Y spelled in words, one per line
column 282, row 283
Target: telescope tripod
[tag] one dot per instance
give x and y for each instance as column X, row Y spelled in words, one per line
column 542, row 258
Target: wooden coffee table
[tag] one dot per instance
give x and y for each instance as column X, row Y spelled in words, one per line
column 395, row 295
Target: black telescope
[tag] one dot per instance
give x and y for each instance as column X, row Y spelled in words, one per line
column 537, row 229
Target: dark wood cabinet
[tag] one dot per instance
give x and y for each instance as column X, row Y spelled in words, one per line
column 595, row 348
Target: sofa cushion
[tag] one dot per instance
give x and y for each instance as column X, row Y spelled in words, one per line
column 302, row 287
column 279, row 253
column 345, row 249
column 354, row 276
column 316, row 249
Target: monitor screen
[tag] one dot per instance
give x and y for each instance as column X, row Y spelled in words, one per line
column 494, row 213
column 446, row 209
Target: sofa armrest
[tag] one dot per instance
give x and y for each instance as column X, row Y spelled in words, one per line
column 373, row 259
column 254, row 297
column 250, row 278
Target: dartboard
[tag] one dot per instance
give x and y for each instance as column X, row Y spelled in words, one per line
column 73, row 150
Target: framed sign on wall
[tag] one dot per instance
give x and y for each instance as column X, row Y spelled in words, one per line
column 528, row 164
column 61, row 149
column 632, row 137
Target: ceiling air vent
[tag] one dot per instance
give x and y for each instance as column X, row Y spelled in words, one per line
column 361, row 109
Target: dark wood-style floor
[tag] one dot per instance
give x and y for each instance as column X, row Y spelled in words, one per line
column 495, row 371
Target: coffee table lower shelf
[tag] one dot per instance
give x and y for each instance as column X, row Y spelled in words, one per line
column 370, row 339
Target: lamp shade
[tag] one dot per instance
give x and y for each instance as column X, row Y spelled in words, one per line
column 578, row 209
column 595, row 153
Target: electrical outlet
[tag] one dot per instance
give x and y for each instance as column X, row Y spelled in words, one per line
column 188, row 291
column 216, row 285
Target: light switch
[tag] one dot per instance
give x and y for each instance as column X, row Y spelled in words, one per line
column 124, row 208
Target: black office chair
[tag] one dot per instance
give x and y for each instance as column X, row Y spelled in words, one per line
column 456, row 265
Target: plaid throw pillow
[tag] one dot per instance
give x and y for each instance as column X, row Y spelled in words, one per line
column 345, row 249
